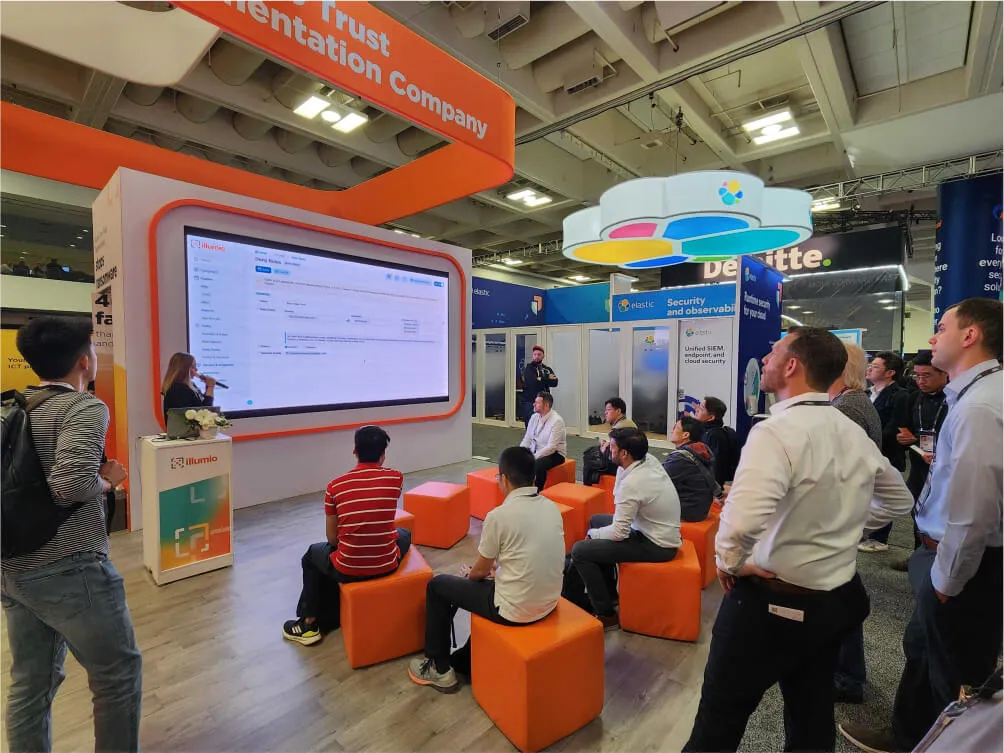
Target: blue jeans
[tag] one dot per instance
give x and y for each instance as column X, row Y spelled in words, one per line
column 78, row 602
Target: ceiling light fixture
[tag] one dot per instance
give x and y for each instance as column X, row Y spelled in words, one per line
column 530, row 197
column 759, row 124
column 405, row 232
column 331, row 116
column 784, row 133
column 512, row 262
column 578, row 278
column 808, row 312
column 885, row 300
column 311, row 107
column 350, row 122
column 890, row 308
column 824, row 205
column 793, row 306
column 793, row 320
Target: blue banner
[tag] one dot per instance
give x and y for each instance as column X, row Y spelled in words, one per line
column 503, row 304
column 967, row 257
column 579, row 305
column 681, row 303
column 759, row 327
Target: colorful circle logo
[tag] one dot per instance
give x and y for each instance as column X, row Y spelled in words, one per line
column 623, row 305
column 690, row 332
column 731, row 192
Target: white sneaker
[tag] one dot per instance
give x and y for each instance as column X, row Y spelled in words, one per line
column 870, row 545
column 423, row 671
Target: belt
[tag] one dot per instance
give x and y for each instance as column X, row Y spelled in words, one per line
column 782, row 586
column 927, row 541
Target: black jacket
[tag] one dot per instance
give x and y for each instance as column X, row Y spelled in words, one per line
column 924, row 413
column 689, row 468
column 725, row 449
column 893, row 405
column 536, row 378
column 180, row 395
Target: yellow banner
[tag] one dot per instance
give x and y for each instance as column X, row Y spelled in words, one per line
column 16, row 373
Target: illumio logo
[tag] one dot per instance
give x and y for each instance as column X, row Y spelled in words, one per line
column 177, row 463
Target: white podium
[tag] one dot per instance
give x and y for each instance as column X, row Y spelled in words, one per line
column 187, row 515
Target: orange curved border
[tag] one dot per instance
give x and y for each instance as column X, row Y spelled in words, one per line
column 155, row 313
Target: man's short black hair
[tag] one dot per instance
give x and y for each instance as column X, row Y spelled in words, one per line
column 923, row 358
column 517, row 465
column 52, row 344
column 986, row 314
column 617, row 404
column 715, row 406
column 693, row 427
column 893, row 362
column 547, row 397
column 821, row 353
column 632, row 440
column 371, row 443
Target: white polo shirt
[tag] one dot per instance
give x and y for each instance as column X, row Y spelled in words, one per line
column 525, row 537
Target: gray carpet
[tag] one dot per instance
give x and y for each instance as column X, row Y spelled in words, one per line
column 891, row 605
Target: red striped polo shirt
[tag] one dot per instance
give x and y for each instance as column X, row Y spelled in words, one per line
column 365, row 500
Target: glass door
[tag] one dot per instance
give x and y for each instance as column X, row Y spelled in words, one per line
column 472, row 369
column 564, row 356
column 603, row 375
column 523, row 342
column 648, row 405
column 493, row 375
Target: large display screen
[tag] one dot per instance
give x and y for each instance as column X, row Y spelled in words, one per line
column 293, row 330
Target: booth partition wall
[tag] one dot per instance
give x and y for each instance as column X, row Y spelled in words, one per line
column 639, row 361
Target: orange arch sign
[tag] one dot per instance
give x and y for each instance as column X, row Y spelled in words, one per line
column 354, row 47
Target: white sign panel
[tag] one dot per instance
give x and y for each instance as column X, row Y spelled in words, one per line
column 705, row 367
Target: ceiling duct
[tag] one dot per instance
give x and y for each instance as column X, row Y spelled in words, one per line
column 332, row 156
column 143, row 95
column 232, row 64
column 660, row 19
column 365, row 168
column 502, row 19
column 291, row 88
column 120, row 128
column 469, row 20
column 554, row 25
column 385, row 127
column 196, row 109
column 167, row 141
column 550, row 71
column 414, row 141
column 290, row 142
column 588, row 75
column 250, row 128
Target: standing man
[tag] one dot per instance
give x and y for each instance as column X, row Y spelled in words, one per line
column 808, row 482
column 925, row 416
column 596, row 461
column 67, row 592
column 720, row 439
column 645, row 527
column 523, row 539
column 892, row 404
column 954, row 635
column 545, row 437
column 537, row 378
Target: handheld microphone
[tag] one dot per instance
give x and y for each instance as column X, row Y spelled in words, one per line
column 218, row 384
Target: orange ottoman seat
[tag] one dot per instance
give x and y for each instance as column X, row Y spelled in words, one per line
column 384, row 618
column 662, row 599
column 702, row 536
column 485, row 494
column 606, row 483
column 540, row 682
column 442, row 513
column 564, row 473
column 404, row 519
column 571, row 524
column 586, row 500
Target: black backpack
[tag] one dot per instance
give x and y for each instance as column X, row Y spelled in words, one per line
column 30, row 517
column 735, row 449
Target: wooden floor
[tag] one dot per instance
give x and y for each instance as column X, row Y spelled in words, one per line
column 218, row 676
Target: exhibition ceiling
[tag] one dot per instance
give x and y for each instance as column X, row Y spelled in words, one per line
column 605, row 92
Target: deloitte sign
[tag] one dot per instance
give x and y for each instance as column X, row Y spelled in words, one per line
column 829, row 253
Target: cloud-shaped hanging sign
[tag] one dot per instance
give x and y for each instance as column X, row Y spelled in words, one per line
column 700, row 216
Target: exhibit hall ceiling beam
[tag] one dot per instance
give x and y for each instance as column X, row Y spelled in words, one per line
column 101, row 92
column 824, row 59
column 766, row 42
column 983, row 63
column 624, row 32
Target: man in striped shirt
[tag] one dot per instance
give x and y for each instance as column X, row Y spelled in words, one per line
column 68, row 591
column 362, row 541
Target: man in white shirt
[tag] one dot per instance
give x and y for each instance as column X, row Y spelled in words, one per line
column 645, row 527
column 954, row 635
column 545, row 438
column 523, row 537
column 808, row 482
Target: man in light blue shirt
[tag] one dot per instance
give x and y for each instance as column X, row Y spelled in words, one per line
column 954, row 635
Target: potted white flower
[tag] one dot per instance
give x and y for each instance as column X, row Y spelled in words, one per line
column 208, row 422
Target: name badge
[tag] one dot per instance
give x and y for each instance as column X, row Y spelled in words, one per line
column 928, row 441
column 796, row 615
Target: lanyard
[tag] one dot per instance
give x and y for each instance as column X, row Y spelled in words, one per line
column 937, row 415
column 811, row 402
column 540, row 428
column 979, row 376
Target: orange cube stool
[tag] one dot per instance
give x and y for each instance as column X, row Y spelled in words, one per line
column 586, row 500
column 716, row 510
column 702, row 536
column 540, row 682
column 571, row 524
column 442, row 513
column 564, row 473
column 606, row 483
column 485, row 494
column 404, row 519
column 384, row 618
column 662, row 599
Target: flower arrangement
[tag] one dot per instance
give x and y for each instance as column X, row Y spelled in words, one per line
column 207, row 419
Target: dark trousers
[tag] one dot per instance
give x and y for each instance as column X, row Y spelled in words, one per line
column 946, row 645
column 591, row 566
column 882, row 534
column 851, row 674
column 320, row 596
column 444, row 595
column 542, row 465
column 751, row 649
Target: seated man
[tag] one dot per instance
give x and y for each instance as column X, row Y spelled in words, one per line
column 545, row 437
column 362, row 542
column 596, row 460
column 720, row 439
column 689, row 468
column 645, row 527
column 524, row 538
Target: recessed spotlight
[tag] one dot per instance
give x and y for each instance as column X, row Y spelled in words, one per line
column 73, row 245
column 824, row 205
column 350, row 122
column 761, row 124
column 311, row 107
column 537, row 201
column 578, row 278
column 890, row 308
column 793, row 306
column 512, row 262
column 85, row 230
column 331, row 116
column 885, row 300
column 80, row 237
column 784, row 133
column 530, row 197
column 808, row 312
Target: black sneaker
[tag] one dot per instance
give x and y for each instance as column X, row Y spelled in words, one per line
column 300, row 632
column 848, row 695
column 609, row 621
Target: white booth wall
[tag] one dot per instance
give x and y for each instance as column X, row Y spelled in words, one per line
column 282, row 465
